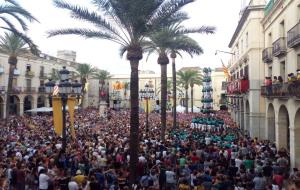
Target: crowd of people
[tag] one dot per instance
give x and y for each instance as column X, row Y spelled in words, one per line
column 31, row 156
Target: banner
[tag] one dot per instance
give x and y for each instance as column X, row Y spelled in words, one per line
column 57, row 115
column 71, row 107
column 149, row 106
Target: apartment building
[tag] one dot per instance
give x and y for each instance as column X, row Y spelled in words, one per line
column 246, row 68
column 30, row 75
column 281, row 56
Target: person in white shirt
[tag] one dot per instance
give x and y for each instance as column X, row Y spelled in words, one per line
column 73, row 185
column 43, row 180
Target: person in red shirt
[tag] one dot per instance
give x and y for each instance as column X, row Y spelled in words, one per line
column 278, row 178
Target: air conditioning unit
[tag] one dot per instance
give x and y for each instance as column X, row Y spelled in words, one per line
column 1, row 70
column 17, row 72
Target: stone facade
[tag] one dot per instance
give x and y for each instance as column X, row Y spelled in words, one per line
column 281, row 33
column 247, row 70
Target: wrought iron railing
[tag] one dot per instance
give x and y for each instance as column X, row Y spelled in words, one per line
column 285, row 90
column 267, row 55
column 279, row 47
column 29, row 89
column 293, row 36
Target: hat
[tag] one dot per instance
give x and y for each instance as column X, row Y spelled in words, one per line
column 78, row 172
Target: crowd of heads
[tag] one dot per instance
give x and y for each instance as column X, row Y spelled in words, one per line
column 31, row 155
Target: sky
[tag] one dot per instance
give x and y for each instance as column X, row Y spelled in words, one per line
column 223, row 14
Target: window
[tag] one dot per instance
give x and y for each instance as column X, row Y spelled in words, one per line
column 241, row 73
column 270, row 40
column 242, row 44
column 246, row 71
column 282, row 70
column 270, row 71
column 42, row 82
column 28, row 67
column 28, row 83
column 282, row 29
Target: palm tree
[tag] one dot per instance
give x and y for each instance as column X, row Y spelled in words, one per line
column 14, row 46
column 102, row 76
column 163, row 42
column 127, row 23
column 185, row 78
column 10, row 14
column 84, row 71
column 196, row 80
column 189, row 49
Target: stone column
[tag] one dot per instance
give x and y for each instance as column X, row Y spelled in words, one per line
column 295, row 146
column 281, row 133
column 3, row 110
column 257, row 125
column 21, row 108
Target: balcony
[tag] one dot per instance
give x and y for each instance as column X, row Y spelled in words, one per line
column 281, row 91
column 29, row 90
column 16, row 89
column 42, row 89
column 279, row 47
column 240, row 86
column 16, row 72
column 293, row 36
column 267, row 55
column 29, row 74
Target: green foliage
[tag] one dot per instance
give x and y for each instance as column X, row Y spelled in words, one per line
column 189, row 78
column 12, row 13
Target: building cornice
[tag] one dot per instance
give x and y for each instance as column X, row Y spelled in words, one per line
column 276, row 6
column 242, row 21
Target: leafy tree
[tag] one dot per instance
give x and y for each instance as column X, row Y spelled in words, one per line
column 127, row 23
column 188, row 78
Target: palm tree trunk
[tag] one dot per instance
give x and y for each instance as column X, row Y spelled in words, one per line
column 186, row 100
column 163, row 100
column 9, row 87
column 192, row 99
column 174, row 92
column 134, row 119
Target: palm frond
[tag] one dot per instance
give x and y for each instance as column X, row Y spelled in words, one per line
column 202, row 29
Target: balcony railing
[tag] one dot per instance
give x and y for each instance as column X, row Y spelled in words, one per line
column 42, row 89
column 279, row 47
column 239, row 86
column 29, row 74
column 267, row 55
column 293, row 36
column 16, row 89
column 285, row 90
column 29, row 89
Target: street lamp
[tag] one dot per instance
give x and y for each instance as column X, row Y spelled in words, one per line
column 65, row 89
column 49, row 87
column 146, row 94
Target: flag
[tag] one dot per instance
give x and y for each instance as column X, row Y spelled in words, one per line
column 71, row 106
column 55, row 90
column 57, row 115
column 225, row 70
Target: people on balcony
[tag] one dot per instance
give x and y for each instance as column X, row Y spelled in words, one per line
column 268, row 83
column 291, row 78
column 298, row 74
column 275, row 80
column 280, row 80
